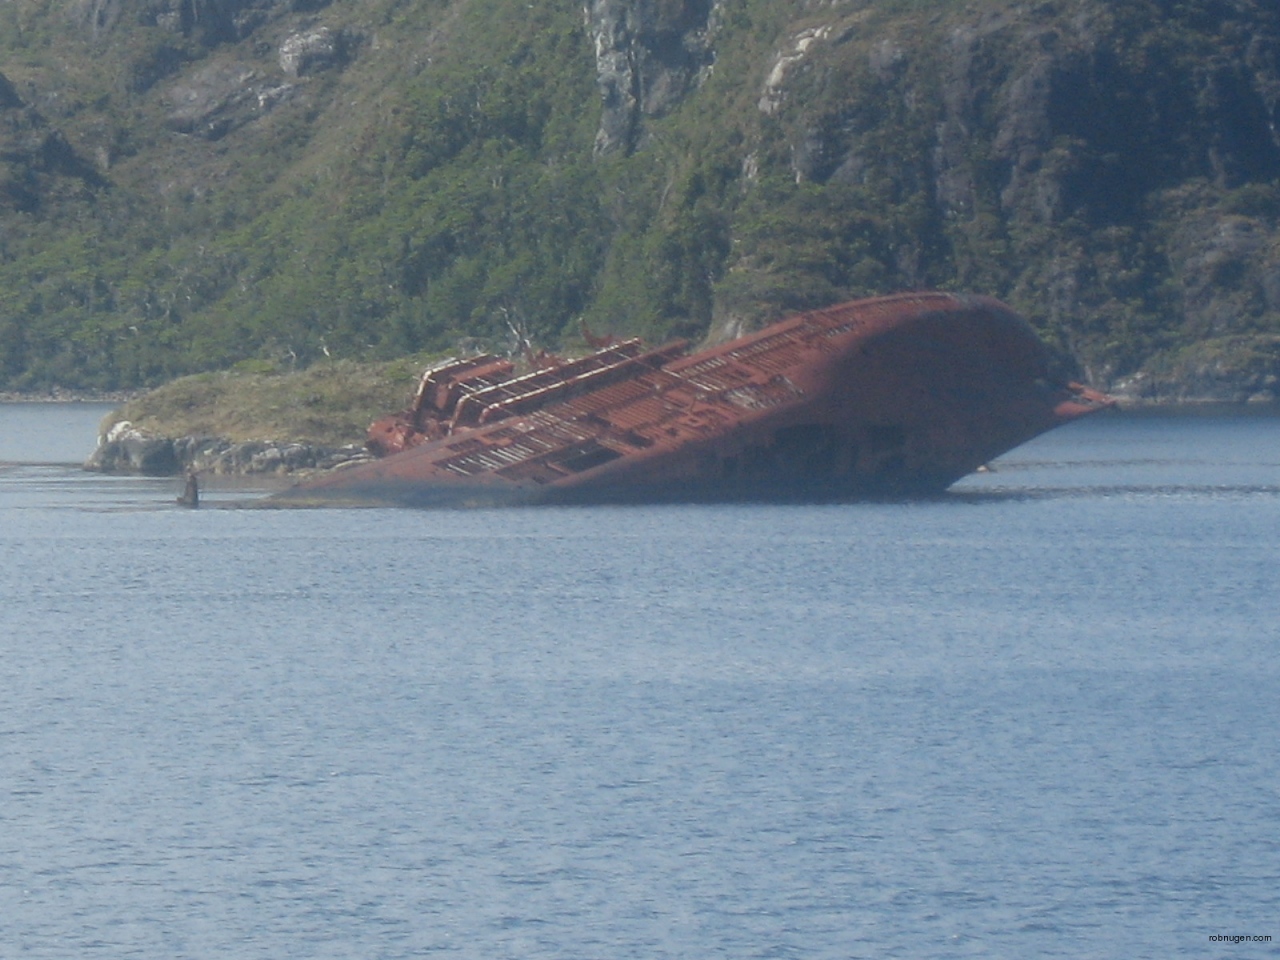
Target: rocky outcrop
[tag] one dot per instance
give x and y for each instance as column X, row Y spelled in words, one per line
column 649, row 55
column 1222, row 370
column 312, row 50
column 221, row 97
column 225, row 95
column 126, row 449
column 774, row 92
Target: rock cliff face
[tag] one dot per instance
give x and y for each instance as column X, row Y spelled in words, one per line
column 228, row 179
column 649, row 55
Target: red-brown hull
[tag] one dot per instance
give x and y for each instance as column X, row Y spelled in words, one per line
column 897, row 395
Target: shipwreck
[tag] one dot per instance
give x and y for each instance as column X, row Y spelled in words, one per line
column 891, row 396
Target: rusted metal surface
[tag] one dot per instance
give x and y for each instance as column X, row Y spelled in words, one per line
column 893, row 395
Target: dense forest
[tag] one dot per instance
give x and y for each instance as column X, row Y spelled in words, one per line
column 191, row 185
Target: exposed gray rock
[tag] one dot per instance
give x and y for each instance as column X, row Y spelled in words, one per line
column 100, row 16
column 125, row 449
column 649, row 54
column 309, row 51
column 774, row 92
column 219, row 456
column 220, row 98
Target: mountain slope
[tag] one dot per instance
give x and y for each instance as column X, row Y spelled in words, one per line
column 187, row 184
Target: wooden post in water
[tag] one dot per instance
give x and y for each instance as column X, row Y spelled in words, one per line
column 191, row 492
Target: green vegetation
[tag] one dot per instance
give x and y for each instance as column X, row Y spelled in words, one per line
column 330, row 404
column 174, row 200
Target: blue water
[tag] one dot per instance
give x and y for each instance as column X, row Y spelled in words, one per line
column 1036, row 717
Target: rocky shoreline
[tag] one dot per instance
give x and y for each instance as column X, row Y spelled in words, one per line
column 1152, row 389
column 128, row 450
column 125, row 449
column 1221, row 370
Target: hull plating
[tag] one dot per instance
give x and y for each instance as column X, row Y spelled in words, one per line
column 890, row 396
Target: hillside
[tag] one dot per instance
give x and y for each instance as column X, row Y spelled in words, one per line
column 186, row 185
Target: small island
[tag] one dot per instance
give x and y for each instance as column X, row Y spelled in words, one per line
column 253, row 420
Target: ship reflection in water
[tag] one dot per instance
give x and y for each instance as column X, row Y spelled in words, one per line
column 891, row 396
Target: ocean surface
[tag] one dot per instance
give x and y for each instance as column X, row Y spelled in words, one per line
column 1035, row 717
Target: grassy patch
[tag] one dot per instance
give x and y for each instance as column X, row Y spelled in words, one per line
column 330, row 403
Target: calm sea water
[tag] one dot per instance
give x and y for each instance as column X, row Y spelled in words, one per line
column 1036, row 717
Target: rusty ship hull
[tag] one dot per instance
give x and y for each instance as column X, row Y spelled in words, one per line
column 891, row 396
